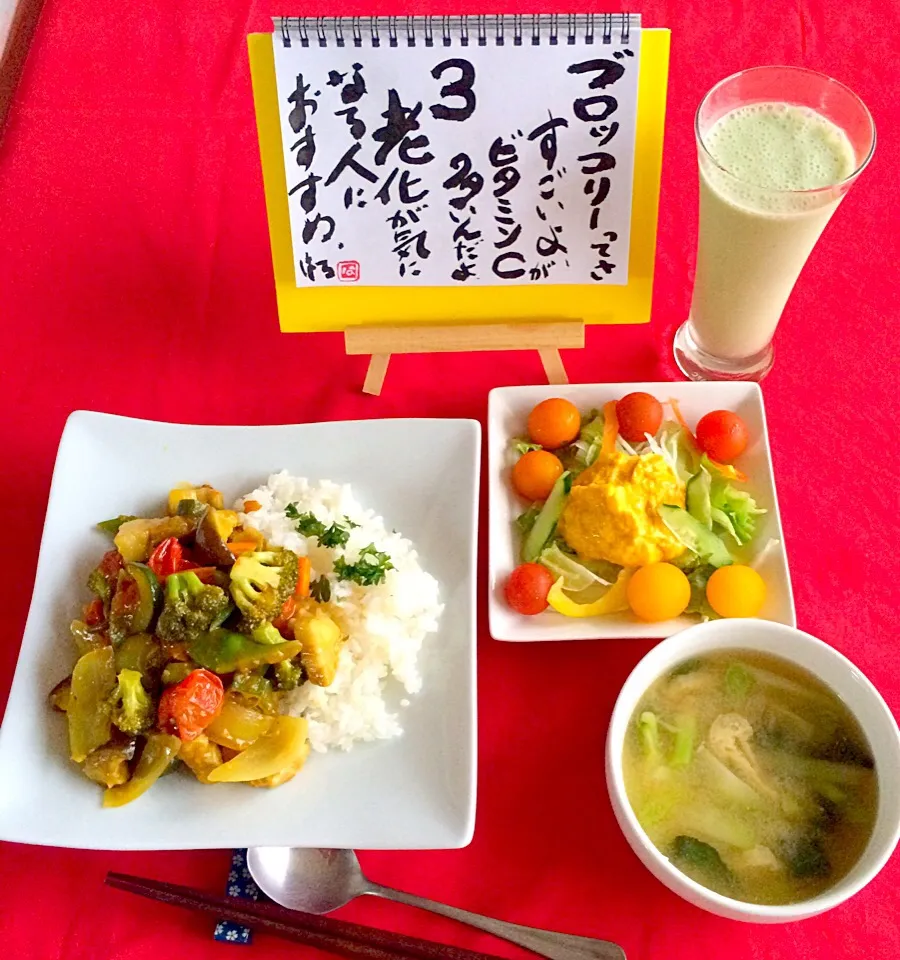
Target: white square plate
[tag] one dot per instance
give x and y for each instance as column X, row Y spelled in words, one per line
column 415, row 791
column 508, row 409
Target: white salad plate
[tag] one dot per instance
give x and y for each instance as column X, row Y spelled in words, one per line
column 415, row 791
column 508, row 409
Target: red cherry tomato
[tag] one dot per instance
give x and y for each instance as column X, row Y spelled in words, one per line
column 638, row 413
column 188, row 707
column 527, row 588
column 722, row 435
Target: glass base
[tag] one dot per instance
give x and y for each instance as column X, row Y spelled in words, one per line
column 696, row 364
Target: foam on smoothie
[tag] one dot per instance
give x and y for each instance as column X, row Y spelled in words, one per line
column 778, row 146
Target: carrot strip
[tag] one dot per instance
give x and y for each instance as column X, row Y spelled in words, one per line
column 610, row 428
column 730, row 471
column 681, row 421
column 251, row 506
column 303, row 568
column 284, row 616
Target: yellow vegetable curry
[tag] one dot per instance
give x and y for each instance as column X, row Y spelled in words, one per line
column 613, row 510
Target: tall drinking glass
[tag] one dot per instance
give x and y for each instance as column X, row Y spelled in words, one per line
column 778, row 149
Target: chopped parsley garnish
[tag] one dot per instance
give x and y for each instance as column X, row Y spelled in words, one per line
column 320, row 589
column 334, row 536
column 305, row 523
column 309, row 525
column 370, row 569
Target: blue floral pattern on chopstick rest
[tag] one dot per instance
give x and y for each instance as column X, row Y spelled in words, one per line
column 240, row 885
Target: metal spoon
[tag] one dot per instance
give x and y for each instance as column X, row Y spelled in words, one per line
column 319, row 881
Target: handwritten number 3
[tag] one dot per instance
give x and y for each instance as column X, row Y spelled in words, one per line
column 458, row 88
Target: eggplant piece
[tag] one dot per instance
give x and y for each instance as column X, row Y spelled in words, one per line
column 214, row 527
column 108, row 765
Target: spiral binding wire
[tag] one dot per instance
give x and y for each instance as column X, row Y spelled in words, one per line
column 477, row 30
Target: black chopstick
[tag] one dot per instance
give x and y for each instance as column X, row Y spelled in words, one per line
column 324, row 933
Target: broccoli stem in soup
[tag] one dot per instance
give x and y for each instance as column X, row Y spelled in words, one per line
column 648, row 729
column 738, row 682
column 685, row 740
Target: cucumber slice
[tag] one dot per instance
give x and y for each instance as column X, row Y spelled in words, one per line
column 695, row 536
column 547, row 519
column 697, row 493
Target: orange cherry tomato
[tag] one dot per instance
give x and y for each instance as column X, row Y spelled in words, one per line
column 638, row 413
column 722, row 435
column 535, row 473
column 527, row 588
column 553, row 423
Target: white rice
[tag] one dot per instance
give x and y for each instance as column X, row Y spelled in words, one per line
column 385, row 623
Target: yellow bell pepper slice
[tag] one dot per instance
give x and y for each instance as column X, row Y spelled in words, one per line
column 284, row 746
column 615, row 600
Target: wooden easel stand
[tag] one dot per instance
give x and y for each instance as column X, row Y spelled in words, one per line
column 548, row 337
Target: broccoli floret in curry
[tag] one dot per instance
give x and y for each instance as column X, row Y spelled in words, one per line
column 261, row 582
column 288, row 674
column 191, row 608
column 131, row 707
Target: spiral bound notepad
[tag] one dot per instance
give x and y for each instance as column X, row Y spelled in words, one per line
column 459, row 151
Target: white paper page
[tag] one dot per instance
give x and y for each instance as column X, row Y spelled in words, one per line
column 458, row 165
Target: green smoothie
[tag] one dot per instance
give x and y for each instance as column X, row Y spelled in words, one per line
column 769, row 183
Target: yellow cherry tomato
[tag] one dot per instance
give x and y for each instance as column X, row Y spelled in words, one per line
column 553, row 423
column 736, row 591
column 535, row 473
column 659, row 591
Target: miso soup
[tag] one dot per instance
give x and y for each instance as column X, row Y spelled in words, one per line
column 751, row 776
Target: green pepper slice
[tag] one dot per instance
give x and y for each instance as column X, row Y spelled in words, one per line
column 224, row 651
column 112, row 526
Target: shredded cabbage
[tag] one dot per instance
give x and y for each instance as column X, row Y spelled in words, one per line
column 576, row 576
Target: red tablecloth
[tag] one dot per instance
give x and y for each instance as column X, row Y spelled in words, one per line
column 135, row 278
